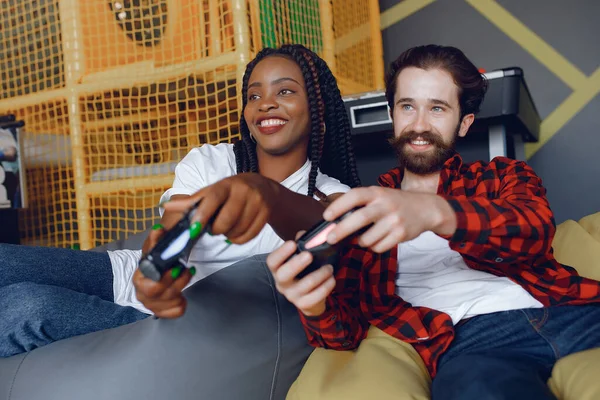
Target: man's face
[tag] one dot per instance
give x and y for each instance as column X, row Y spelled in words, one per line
column 426, row 117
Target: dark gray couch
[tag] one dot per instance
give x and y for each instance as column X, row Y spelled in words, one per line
column 239, row 339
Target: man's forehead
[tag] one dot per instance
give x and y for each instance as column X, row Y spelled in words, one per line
column 429, row 84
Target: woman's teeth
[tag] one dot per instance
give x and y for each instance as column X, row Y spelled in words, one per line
column 272, row 122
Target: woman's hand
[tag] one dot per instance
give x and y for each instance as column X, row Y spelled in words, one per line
column 164, row 298
column 239, row 206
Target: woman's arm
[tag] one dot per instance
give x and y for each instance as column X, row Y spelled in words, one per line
column 294, row 212
column 244, row 203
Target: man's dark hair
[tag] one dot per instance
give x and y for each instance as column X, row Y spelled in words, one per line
column 472, row 85
column 330, row 147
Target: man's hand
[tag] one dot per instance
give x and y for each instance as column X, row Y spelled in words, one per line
column 163, row 298
column 242, row 205
column 397, row 216
column 307, row 294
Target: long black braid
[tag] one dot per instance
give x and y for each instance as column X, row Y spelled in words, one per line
column 330, row 147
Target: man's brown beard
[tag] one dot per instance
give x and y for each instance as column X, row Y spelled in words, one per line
column 426, row 162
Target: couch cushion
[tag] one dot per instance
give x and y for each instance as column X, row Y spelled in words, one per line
column 382, row 367
column 575, row 377
column 239, row 339
column 591, row 223
column 578, row 244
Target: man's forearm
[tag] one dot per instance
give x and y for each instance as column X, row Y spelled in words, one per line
column 515, row 224
column 340, row 327
column 515, row 230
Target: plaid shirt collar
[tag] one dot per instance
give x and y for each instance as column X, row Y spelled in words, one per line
column 449, row 172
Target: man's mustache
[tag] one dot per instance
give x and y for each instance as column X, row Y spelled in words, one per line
column 406, row 138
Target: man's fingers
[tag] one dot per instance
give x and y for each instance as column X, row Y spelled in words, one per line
column 382, row 228
column 312, row 281
column 390, row 240
column 278, row 256
column 317, row 295
column 298, row 263
column 354, row 198
column 351, row 224
column 387, row 243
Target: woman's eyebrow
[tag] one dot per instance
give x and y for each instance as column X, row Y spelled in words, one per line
column 275, row 82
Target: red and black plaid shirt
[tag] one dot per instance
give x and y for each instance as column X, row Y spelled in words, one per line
column 505, row 228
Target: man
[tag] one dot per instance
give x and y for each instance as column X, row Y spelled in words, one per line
column 459, row 261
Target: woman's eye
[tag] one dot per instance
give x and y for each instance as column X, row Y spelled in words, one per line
column 285, row 91
column 253, row 97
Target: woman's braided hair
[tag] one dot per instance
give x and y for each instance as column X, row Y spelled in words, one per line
column 330, row 147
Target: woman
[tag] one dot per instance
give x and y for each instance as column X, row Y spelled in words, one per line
column 294, row 126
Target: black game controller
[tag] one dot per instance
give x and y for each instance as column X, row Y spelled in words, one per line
column 315, row 242
column 173, row 248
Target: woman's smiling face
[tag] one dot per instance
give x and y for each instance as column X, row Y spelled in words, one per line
column 277, row 111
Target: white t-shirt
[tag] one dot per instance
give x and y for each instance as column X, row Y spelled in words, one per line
column 204, row 166
column 431, row 274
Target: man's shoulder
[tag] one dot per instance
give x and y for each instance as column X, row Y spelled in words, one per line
column 499, row 165
column 489, row 176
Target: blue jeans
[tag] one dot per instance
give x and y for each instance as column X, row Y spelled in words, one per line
column 510, row 354
column 49, row 294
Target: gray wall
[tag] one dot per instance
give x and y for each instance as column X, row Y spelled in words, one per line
column 569, row 163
